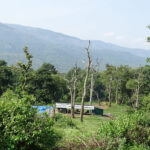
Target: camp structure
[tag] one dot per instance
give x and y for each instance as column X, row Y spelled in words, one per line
column 66, row 107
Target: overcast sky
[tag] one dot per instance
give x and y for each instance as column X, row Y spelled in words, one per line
column 121, row 22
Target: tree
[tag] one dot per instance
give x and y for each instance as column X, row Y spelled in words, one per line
column 41, row 85
column 21, row 128
column 118, row 78
column 125, row 73
column 85, row 82
column 74, row 91
column 3, row 63
column 59, row 88
column 92, row 83
column 146, row 80
column 51, row 68
column 145, row 104
column 25, row 67
column 110, row 76
column 93, row 72
column 6, row 77
column 132, row 85
column 135, row 84
column 99, row 88
column 69, row 77
column 72, row 85
column 139, row 82
column 46, row 86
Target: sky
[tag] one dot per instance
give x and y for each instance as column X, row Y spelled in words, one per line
column 121, row 22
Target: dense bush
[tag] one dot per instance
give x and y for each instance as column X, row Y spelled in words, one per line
column 6, row 77
column 21, row 128
column 128, row 131
column 145, row 104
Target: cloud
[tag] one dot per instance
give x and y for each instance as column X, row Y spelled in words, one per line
column 109, row 34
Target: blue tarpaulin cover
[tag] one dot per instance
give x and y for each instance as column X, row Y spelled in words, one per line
column 42, row 109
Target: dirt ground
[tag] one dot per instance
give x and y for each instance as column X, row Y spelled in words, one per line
column 102, row 106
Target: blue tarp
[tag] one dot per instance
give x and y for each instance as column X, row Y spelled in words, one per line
column 42, row 109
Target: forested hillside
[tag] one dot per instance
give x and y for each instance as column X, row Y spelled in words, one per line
column 61, row 50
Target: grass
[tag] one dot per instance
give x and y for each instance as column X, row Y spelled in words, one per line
column 116, row 110
column 88, row 127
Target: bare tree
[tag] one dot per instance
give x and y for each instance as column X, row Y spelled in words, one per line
column 94, row 69
column 97, row 95
column 110, row 76
column 92, row 84
column 74, row 91
column 117, row 89
column 85, row 82
column 139, row 85
column 72, row 88
column 110, row 91
column 117, row 78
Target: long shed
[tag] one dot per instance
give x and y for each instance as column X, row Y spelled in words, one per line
column 67, row 106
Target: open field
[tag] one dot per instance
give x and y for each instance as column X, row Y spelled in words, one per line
column 88, row 127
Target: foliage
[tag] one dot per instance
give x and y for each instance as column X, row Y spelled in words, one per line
column 25, row 68
column 64, row 121
column 6, row 77
column 131, row 84
column 133, row 128
column 145, row 104
column 51, row 68
column 20, row 128
column 3, row 63
column 146, row 80
column 46, row 86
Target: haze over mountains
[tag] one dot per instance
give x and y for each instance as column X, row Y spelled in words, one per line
column 61, row 50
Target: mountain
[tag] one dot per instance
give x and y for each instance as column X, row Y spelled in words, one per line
column 61, row 50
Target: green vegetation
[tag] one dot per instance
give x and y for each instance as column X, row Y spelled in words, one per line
column 81, row 134
column 21, row 128
column 123, row 93
column 126, row 132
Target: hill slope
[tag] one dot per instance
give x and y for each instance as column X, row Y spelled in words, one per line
column 61, row 50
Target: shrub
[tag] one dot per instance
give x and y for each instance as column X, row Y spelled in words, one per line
column 134, row 129
column 146, row 103
column 20, row 128
column 64, row 121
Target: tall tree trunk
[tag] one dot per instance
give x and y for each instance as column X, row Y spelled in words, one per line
column 71, row 96
column 117, row 92
column 72, row 108
column 137, row 95
column 92, row 85
column 24, row 83
column 74, row 92
column 98, row 99
column 85, row 83
column 139, row 84
column 122, row 99
column 110, row 88
column 83, row 97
